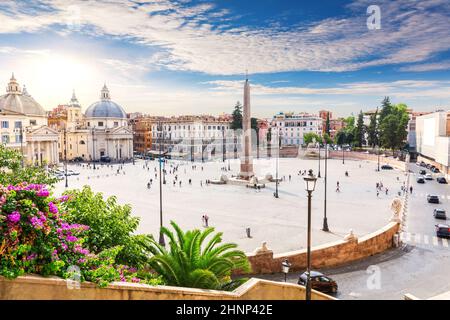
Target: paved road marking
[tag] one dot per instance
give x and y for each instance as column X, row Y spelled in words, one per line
column 435, row 241
column 425, row 239
column 444, row 242
column 417, row 238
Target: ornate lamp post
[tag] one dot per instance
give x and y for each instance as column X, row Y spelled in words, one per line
column 378, row 153
column 325, row 221
column 21, row 144
column 223, row 143
column 318, row 174
column 276, row 175
column 65, row 156
column 93, row 145
column 161, row 235
column 310, row 185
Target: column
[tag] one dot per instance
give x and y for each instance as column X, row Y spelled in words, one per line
column 39, row 153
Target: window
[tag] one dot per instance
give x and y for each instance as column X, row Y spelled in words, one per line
column 5, row 124
column 116, row 124
column 5, row 138
column 18, row 138
column 18, row 124
column 32, row 122
column 100, row 123
column 82, row 142
column 89, row 124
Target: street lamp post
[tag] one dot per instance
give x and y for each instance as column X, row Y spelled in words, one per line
column 378, row 153
column 318, row 174
column 285, row 265
column 93, row 145
column 223, row 143
column 310, row 185
column 132, row 143
column 161, row 235
column 325, row 221
column 21, row 143
column 276, row 175
column 343, row 155
column 65, row 156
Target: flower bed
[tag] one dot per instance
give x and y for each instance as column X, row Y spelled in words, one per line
column 36, row 238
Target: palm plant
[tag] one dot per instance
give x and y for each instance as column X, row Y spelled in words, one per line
column 190, row 263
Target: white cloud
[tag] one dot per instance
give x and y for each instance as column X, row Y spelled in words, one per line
column 411, row 32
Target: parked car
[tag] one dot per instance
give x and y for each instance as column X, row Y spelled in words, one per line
column 72, row 173
column 386, row 167
column 422, row 164
column 443, row 230
column 105, row 159
column 319, row 282
column 440, row 214
column 422, row 172
column 420, row 180
column 435, row 170
column 428, row 166
column 432, row 199
column 428, row 176
column 441, row 180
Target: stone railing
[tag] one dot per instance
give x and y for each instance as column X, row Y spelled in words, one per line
column 332, row 254
column 33, row 287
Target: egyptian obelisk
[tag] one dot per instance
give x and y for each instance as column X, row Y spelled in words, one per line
column 247, row 159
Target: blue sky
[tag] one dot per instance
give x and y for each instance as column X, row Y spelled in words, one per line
column 184, row 57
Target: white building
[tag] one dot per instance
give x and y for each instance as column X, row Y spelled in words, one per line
column 193, row 137
column 433, row 139
column 292, row 127
column 24, row 126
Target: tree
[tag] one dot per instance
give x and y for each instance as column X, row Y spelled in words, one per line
column 236, row 123
column 341, row 137
column 360, row 131
column 327, row 125
column 372, row 130
column 310, row 137
column 110, row 225
column 11, row 171
column 393, row 127
column 191, row 262
column 327, row 139
column 386, row 109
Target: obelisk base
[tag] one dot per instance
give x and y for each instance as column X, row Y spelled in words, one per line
column 246, row 171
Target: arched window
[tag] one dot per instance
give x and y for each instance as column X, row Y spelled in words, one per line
column 82, row 142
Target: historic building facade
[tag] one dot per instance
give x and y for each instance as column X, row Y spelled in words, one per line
column 24, row 126
column 292, row 127
column 101, row 132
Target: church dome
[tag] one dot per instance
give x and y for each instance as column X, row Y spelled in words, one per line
column 105, row 108
column 20, row 101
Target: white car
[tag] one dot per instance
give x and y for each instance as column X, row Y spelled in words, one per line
column 428, row 177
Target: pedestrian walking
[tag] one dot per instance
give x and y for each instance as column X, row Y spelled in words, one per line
column 410, row 189
column 387, row 191
column 206, row 220
column 203, row 221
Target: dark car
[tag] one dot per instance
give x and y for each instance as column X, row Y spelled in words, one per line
column 319, row 282
column 386, row 167
column 105, row 159
column 428, row 166
column 435, row 170
column 441, row 180
column 432, row 199
column 440, row 214
column 443, row 230
column 420, row 180
column 422, row 172
column 422, row 164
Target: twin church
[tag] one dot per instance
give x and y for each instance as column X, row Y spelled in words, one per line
column 65, row 132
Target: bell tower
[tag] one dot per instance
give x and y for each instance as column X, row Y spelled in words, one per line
column 13, row 86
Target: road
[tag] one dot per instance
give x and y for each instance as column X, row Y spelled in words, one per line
column 420, row 267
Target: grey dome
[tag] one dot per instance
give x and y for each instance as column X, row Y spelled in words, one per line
column 105, row 109
column 22, row 103
column 19, row 101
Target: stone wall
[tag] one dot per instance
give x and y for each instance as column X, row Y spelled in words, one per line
column 328, row 255
column 39, row 288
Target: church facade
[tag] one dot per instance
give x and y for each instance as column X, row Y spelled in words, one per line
column 102, row 132
column 24, row 126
